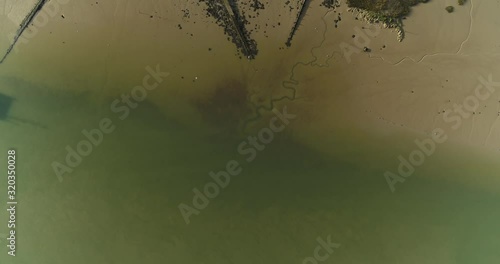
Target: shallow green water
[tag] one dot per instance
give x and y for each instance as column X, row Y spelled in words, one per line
column 120, row 205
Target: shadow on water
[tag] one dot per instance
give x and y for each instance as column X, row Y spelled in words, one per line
column 6, row 103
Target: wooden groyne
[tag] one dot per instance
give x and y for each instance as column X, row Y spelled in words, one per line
column 302, row 5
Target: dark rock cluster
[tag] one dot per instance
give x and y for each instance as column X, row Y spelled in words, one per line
column 329, row 3
column 228, row 16
column 390, row 8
